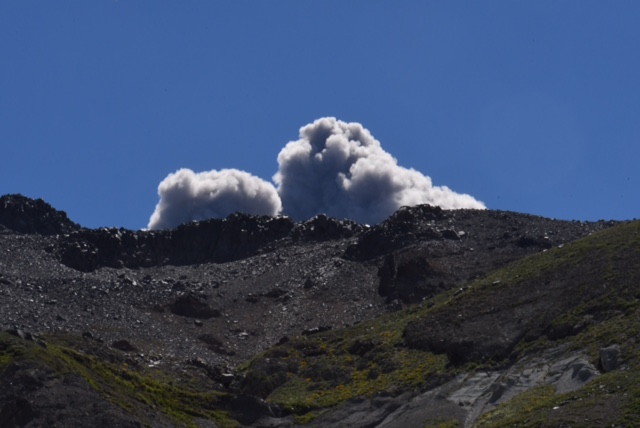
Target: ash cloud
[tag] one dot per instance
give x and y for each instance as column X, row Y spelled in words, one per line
column 186, row 195
column 339, row 169
column 335, row 168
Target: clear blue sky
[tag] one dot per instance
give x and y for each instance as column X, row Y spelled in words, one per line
column 530, row 106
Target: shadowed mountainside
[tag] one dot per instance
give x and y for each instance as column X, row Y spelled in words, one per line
column 432, row 318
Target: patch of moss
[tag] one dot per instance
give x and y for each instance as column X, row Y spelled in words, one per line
column 5, row 360
column 129, row 388
column 336, row 366
column 304, row 419
column 605, row 245
column 451, row 423
column 10, row 348
column 538, row 401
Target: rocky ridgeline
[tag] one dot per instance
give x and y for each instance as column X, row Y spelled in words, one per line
column 404, row 227
column 323, row 228
column 239, row 236
column 24, row 215
column 217, row 240
column 487, row 228
column 424, row 250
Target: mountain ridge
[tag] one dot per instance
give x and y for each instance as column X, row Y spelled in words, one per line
column 201, row 301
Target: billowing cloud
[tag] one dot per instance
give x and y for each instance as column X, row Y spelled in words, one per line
column 339, row 169
column 186, row 195
column 335, row 168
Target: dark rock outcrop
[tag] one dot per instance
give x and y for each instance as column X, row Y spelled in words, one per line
column 79, row 255
column 609, row 358
column 247, row 409
column 216, row 240
column 323, row 228
column 124, row 345
column 25, row 215
column 267, row 375
column 405, row 226
column 192, row 307
column 410, row 276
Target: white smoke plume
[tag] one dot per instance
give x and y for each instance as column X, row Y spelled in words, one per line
column 339, row 169
column 186, row 196
column 335, row 168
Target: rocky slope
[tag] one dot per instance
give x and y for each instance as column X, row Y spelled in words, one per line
column 432, row 317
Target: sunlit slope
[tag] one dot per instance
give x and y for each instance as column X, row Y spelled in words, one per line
column 583, row 295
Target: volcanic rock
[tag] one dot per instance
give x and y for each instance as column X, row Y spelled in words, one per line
column 192, row 307
column 609, row 358
column 24, row 215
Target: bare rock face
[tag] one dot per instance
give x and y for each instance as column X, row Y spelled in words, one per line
column 405, row 226
column 24, row 215
column 216, row 240
column 323, row 228
column 410, row 277
column 80, row 255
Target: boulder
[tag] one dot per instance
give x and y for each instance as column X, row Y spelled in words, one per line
column 526, row 241
column 124, row 345
column 247, row 409
column 214, row 344
column 410, row 276
column 609, row 358
column 192, row 307
column 265, row 375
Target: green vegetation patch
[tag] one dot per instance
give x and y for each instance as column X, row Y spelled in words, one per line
column 11, row 348
column 131, row 388
column 326, row 369
column 606, row 245
column 451, row 423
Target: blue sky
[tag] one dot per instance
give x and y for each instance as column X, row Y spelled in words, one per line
column 527, row 106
